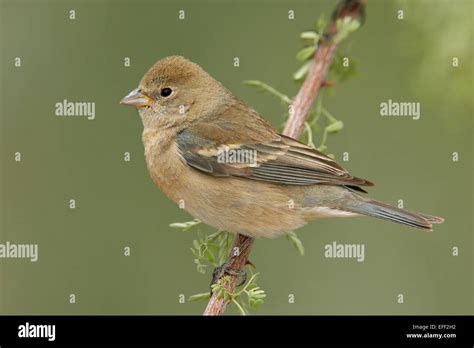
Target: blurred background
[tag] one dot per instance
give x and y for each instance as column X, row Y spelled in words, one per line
column 81, row 250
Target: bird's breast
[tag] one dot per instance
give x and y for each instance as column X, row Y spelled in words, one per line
column 165, row 165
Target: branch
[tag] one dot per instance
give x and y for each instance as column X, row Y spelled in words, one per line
column 319, row 68
column 294, row 127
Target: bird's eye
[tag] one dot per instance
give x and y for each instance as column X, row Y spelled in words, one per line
column 165, row 92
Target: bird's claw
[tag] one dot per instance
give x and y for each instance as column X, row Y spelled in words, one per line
column 224, row 269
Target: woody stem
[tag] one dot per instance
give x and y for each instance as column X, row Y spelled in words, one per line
column 294, row 127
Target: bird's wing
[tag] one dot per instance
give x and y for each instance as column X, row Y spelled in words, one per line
column 259, row 153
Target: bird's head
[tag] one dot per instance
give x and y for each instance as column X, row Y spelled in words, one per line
column 176, row 92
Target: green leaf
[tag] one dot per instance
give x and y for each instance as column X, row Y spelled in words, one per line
column 293, row 238
column 262, row 86
column 335, row 127
column 344, row 27
column 322, row 148
column 302, row 71
column 257, row 293
column 227, row 296
column 178, row 225
column 255, row 303
column 321, row 24
column 215, row 286
column 185, row 225
column 210, row 256
column 342, row 68
column 310, row 35
column 200, row 297
column 305, row 53
column 200, row 268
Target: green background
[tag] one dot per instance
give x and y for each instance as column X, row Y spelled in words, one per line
column 81, row 250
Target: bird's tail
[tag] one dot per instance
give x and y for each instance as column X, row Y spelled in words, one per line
column 384, row 211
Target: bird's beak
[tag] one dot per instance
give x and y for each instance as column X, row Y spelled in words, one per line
column 136, row 98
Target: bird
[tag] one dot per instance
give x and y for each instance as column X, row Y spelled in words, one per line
column 225, row 164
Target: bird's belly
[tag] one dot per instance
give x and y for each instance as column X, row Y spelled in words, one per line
column 249, row 207
column 237, row 205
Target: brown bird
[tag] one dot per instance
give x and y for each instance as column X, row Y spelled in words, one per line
column 227, row 166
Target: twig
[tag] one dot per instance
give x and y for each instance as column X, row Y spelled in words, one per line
column 318, row 71
column 295, row 126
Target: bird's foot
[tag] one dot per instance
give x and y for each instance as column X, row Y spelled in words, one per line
column 224, row 269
